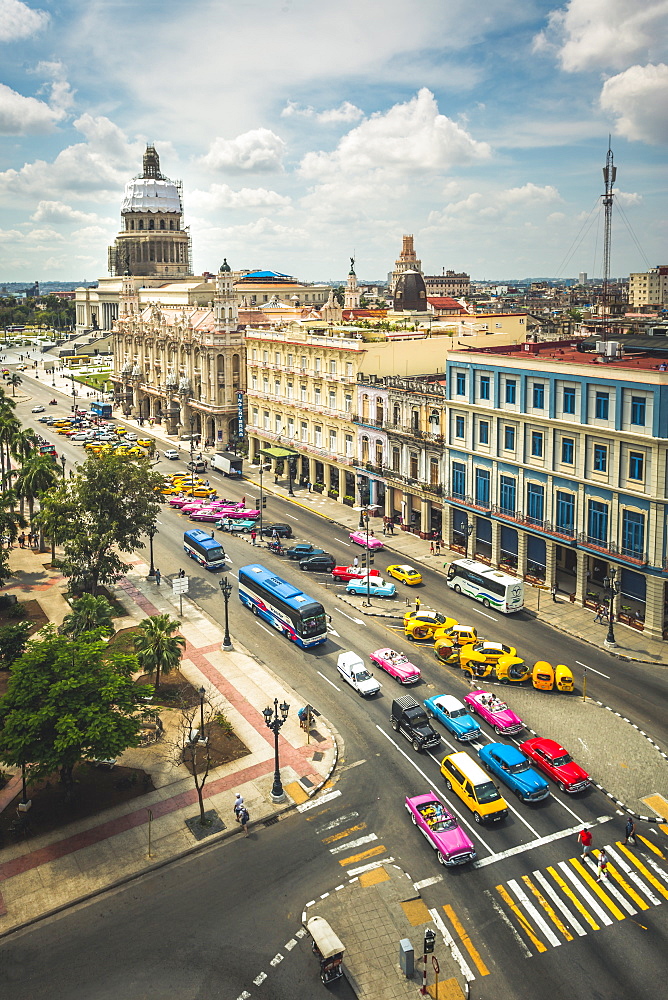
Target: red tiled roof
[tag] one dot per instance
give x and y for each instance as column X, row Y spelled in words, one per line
column 445, row 302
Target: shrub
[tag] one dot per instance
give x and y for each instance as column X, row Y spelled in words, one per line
column 17, row 610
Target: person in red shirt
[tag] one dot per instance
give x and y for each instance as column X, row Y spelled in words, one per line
column 585, row 838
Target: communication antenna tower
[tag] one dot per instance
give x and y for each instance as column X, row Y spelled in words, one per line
column 609, row 175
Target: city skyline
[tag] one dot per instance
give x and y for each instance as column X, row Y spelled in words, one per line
column 302, row 140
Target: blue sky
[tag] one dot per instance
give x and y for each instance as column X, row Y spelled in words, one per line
column 305, row 132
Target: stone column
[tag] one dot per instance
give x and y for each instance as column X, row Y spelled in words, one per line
column 550, row 563
column 581, row 577
column 327, row 477
column 654, row 607
column 311, row 470
column 521, row 553
column 425, row 518
column 496, row 543
column 446, row 525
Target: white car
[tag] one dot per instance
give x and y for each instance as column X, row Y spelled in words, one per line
column 171, row 453
column 38, row 409
column 81, row 436
column 352, row 669
column 130, row 436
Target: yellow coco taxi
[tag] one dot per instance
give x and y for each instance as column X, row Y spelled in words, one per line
column 493, row 659
column 405, row 574
column 423, row 624
column 145, row 442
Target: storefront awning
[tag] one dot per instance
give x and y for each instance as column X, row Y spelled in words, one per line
column 278, row 452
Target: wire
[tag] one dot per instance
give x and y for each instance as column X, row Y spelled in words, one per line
column 578, row 239
column 632, row 234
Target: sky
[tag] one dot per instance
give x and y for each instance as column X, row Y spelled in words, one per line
column 306, row 132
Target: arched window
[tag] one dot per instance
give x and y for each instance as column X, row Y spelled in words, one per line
column 141, row 223
column 396, row 415
column 365, row 449
column 151, row 224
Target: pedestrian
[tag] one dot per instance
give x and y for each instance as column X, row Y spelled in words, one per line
column 238, row 805
column 243, row 500
column 275, row 477
column 431, row 548
column 182, row 573
column 438, row 546
column 158, row 576
column 417, row 604
column 598, row 616
column 30, row 539
column 244, row 819
column 356, row 562
column 630, row 830
column 602, row 865
column 308, row 485
column 553, row 591
column 22, row 540
column 585, row 838
column 212, row 534
column 253, row 536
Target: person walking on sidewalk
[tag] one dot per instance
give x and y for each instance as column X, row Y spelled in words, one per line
column 417, row 604
column 630, row 830
column 585, row 838
column 356, row 562
column 238, row 805
column 244, row 819
column 431, row 548
column 158, row 576
column 438, row 546
column 553, row 591
column 253, row 536
column 598, row 617
column 22, row 540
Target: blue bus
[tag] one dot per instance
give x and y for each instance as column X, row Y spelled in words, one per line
column 202, row 547
column 101, row 410
column 296, row 615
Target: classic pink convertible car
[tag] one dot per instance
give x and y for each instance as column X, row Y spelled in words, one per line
column 494, row 711
column 359, row 538
column 216, row 513
column 396, row 664
column 441, row 829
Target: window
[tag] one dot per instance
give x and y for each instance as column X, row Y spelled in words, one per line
column 265, row 420
column 303, row 363
column 461, row 384
column 318, row 437
column 602, row 405
column 569, row 399
column 291, row 427
column 633, row 533
column 332, row 441
column 255, row 416
column 254, row 354
column 597, row 521
column 253, row 381
column 332, row 399
column 349, row 446
column 277, row 359
column 303, row 394
column 278, row 423
column 511, row 391
column 414, row 468
column 348, row 402
column 538, row 396
column 565, row 512
column 316, row 395
column 318, row 364
column 290, row 360
column 636, row 465
column 567, row 451
column 458, row 479
column 277, row 387
column 484, row 386
column 433, row 469
column 349, row 369
column 535, row 502
column 638, row 411
column 509, row 438
column 265, row 357
column 600, row 458
column 396, row 415
column 395, row 459
column 508, row 494
column 265, row 385
column 483, row 432
column 536, row 444
column 482, row 486
column 459, row 427
column 332, row 367
column 288, row 390
column 304, row 431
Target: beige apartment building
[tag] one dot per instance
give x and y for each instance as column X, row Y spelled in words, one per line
column 649, row 289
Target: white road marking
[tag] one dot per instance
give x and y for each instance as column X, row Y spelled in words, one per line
column 332, row 825
column 260, row 979
column 292, row 943
column 427, row 881
column 358, row 621
column 356, row 763
column 329, row 682
column 430, row 785
column 533, row 912
column 267, row 630
column 449, row 940
column 503, row 915
column 584, row 891
column 341, row 542
column 368, row 868
column 314, row 803
column 332, row 631
column 632, row 875
column 484, row 613
column 292, row 517
column 559, row 903
column 353, row 843
column 593, row 670
column 301, row 932
column 521, row 848
column 276, row 960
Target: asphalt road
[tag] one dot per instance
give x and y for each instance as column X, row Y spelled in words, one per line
column 624, row 956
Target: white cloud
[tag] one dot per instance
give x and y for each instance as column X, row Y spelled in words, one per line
column 628, row 197
column 503, row 204
column 57, row 212
column 21, row 115
column 639, row 99
column 259, row 150
column 62, row 96
column 223, row 196
column 605, row 34
column 346, row 112
column 17, row 20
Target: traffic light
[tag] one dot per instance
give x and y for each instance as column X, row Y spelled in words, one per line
column 429, row 941
column 264, row 503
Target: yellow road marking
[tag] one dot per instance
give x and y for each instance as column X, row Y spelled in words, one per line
column 354, row 858
column 548, row 909
column 448, row 989
column 596, row 886
column 344, row 833
column 373, row 877
column 648, row 875
column 618, row 877
column 664, row 828
column 652, row 847
column 466, row 941
column 524, row 923
column 658, row 804
column 567, row 891
column 416, row 912
column 296, row 792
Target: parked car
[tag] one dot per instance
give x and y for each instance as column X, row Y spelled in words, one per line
column 351, row 667
column 396, row 664
column 441, row 829
column 171, row 453
column 405, row 574
column 318, row 564
column 410, row 719
column 360, row 538
column 38, row 409
column 236, row 526
column 515, row 771
column 302, row 550
column 282, row 530
column 373, row 585
column 130, row 436
column 346, row 573
column 453, row 715
column 556, row 763
column 495, row 712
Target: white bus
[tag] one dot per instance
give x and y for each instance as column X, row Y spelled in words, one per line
column 491, row 587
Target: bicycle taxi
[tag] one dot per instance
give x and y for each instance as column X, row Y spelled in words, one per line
column 328, row 947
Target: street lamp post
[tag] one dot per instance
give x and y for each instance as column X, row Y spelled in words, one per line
column 192, row 454
column 469, row 532
column 290, row 474
column 274, row 721
column 226, row 590
column 613, row 589
column 62, row 462
column 261, row 494
column 152, row 532
column 364, row 521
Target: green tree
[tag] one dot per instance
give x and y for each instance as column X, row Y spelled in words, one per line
column 89, row 614
column 158, row 650
column 9, row 425
column 36, row 476
column 14, row 380
column 10, row 522
column 13, row 641
column 69, row 700
column 104, row 511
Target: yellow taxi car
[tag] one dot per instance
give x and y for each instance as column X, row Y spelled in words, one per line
column 135, row 452
column 460, row 635
column 61, row 423
column 423, row 624
column 405, row 574
column 145, row 442
column 121, row 449
column 66, row 429
column 120, row 430
column 203, row 491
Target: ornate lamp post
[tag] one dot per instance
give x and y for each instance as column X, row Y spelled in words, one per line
column 192, row 454
column 613, row 588
column 274, row 721
column 226, row 591
column 291, row 472
column 152, row 532
column 364, row 522
column 62, row 462
column 469, row 532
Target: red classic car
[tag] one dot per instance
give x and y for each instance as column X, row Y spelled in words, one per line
column 347, row 573
column 556, row 763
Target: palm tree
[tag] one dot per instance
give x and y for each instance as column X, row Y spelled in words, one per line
column 14, row 379
column 158, row 649
column 10, row 520
column 36, row 475
column 89, row 614
column 9, row 425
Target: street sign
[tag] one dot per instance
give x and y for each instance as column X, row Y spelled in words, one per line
column 180, row 585
column 241, row 425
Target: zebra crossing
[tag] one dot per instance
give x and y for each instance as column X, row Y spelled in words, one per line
column 344, row 834
column 550, row 908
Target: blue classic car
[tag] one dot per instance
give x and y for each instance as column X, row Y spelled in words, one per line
column 515, row 770
column 303, row 550
column 241, row 524
column 453, row 715
column 375, row 587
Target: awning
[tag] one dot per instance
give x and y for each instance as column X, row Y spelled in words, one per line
column 279, row 452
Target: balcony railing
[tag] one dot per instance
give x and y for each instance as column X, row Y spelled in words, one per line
column 609, row 548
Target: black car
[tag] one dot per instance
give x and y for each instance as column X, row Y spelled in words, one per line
column 410, row 719
column 303, row 550
column 324, row 563
column 282, row 530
